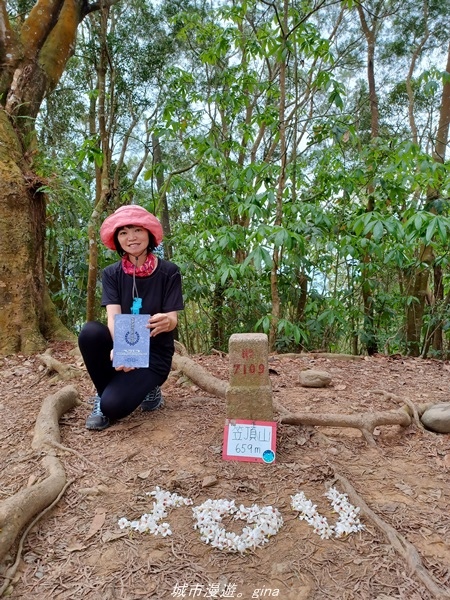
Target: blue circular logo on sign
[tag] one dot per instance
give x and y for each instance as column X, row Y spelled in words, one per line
column 268, row 456
column 132, row 338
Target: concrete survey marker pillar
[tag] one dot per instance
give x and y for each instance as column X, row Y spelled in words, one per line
column 249, row 393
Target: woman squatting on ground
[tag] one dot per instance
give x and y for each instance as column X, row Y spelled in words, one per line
column 140, row 279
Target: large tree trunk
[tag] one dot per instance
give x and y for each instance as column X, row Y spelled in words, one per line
column 22, row 221
column 33, row 53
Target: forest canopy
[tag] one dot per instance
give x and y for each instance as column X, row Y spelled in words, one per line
column 295, row 153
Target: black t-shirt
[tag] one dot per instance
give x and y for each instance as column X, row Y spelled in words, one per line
column 160, row 293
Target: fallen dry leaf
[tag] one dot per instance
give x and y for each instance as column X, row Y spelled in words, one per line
column 110, row 536
column 209, row 480
column 144, row 474
column 77, row 547
column 97, row 523
column 405, row 489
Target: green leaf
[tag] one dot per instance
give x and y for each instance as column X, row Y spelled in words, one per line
column 442, row 229
column 418, row 220
column 430, row 230
column 378, row 231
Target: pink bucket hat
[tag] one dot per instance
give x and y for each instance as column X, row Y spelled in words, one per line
column 129, row 215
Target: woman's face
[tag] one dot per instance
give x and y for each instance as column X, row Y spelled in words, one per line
column 133, row 239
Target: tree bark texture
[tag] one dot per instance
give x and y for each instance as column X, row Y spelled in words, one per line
column 22, row 222
column 33, row 54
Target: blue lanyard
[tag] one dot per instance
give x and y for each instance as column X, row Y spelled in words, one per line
column 137, row 302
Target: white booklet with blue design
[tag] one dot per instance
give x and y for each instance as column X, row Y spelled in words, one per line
column 131, row 341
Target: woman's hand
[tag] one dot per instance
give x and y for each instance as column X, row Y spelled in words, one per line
column 162, row 322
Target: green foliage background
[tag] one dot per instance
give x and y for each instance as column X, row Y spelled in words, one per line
column 205, row 81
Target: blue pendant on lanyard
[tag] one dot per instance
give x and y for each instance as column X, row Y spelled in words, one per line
column 137, row 305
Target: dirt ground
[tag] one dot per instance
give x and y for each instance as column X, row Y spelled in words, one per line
column 78, row 551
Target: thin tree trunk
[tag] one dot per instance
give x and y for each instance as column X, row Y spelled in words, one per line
column 370, row 341
column 439, row 156
column 438, row 333
column 102, row 171
column 217, row 319
column 302, row 298
column 419, row 281
column 417, row 290
column 165, row 220
column 276, row 304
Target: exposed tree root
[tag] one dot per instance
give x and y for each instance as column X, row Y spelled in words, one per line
column 365, row 422
column 16, row 511
column 46, row 429
column 200, row 376
column 416, row 411
column 13, row 568
column 180, row 348
column 64, row 372
column 397, row 541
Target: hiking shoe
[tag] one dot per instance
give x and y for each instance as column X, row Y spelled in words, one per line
column 97, row 420
column 153, row 400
